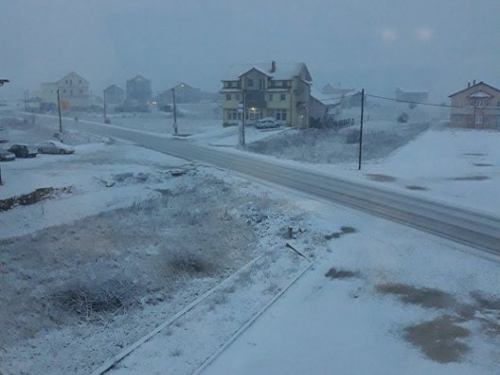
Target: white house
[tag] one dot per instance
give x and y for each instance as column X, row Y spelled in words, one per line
column 73, row 93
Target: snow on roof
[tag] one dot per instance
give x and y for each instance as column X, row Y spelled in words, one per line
column 472, row 87
column 407, row 90
column 480, row 94
column 325, row 99
column 283, row 71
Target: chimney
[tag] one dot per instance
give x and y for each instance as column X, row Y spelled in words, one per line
column 474, row 83
column 468, row 85
column 273, row 66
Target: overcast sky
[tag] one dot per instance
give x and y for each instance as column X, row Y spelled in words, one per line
column 436, row 45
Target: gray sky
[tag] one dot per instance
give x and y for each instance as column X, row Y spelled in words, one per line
column 437, row 45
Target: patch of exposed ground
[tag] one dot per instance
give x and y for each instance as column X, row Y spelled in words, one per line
column 425, row 297
column 343, row 230
column 439, row 339
column 443, row 339
column 416, row 187
column 334, row 273
column 380, row 177
column 34, row 197
column 483, row 165
column 469, row 178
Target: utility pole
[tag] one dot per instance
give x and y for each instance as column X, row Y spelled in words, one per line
column 60, row 119
column 104, row 105
column 175, row 111
column 243, row 118
column 3, row 81
column 361, row 127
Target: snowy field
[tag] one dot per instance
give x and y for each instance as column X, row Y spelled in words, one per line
column 122, row 240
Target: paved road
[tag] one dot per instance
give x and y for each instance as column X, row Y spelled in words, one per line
column 478, row 230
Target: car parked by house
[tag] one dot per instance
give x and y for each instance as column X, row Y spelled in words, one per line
column 6, row 155
column 23, row 150
column 55, row 147
column 267, row 123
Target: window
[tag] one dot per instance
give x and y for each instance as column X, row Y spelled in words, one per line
column 280, row 114
column 270, row 97
column 233, row 115
column 479, row 120
column 283, row 97
column 250, row 82
column 479, row 103
column 228, row 97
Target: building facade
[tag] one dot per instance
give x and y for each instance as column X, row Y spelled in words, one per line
column 277, row 90
column 138, row 92
column 477, row 107
column 114, row 94
column 73, row 93
column 413, row 96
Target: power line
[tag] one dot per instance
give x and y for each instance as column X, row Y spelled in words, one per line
column 427, row 104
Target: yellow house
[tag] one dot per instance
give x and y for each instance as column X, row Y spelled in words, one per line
column 277, row 90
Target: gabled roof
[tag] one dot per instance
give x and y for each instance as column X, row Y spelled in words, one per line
column 184, row 85
column 411, row 91
column 480, row 94
column 138, row 78
column 283, row 71
column 474, row 86
column 113, row 86
column 72, row 73
column 325, row 99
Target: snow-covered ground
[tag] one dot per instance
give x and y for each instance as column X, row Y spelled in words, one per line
column 199, row 253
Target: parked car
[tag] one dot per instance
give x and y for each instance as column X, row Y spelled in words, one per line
column 55, row 147
column 23, row 150
column 6, row 155
column 267, row 123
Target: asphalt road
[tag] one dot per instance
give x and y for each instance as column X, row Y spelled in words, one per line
column 474, row 229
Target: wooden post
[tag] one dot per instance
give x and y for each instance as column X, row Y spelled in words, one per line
column 60, row 118
column 104, row 105
column 175, row 111
column 361, row 127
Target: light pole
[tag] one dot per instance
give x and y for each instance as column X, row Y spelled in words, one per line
column 243, row 118
column 2, row 82
column 60, row 118
column 361, row 127
column 175, row 111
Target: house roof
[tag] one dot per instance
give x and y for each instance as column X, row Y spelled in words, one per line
column 325, row 99
column 474, row 86
column 76, row 74
column 480, row 94
column 64, row 77
column 411, row 91
column 138, row 77
column 113, row 86
column 283, row 71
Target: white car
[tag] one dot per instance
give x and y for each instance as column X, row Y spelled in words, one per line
column 55, row 147
column 267, row 123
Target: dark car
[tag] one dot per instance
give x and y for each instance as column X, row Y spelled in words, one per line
column 23, row 150
column 6, row 155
